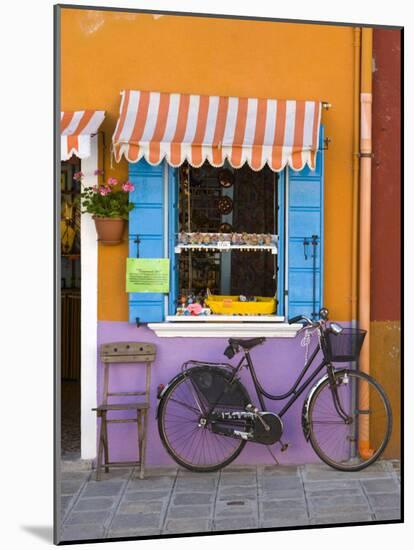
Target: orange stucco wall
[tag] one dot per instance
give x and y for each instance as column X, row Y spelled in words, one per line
column 104, row 52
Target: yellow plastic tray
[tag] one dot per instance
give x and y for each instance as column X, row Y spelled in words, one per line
column 231, row 305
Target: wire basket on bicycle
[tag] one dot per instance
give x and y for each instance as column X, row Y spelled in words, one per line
column 345, row 346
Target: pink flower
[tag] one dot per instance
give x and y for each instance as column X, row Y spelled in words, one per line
column 112, row 181
column 77, row 176
column 98, row 172
column 95, row 188
column 128, row 186
column 104, row 190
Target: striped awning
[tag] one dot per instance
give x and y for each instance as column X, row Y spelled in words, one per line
column 196, row 128
column 76, row 129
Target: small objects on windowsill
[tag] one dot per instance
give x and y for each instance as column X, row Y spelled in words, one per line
column 193, row 305
column 252, row 239
column 190, row 312
column 222, row 242
column 243, row 298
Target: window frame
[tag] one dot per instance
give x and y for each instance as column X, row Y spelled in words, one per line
column 278, row 317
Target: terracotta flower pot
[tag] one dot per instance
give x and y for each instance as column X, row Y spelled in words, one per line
column 109, row 230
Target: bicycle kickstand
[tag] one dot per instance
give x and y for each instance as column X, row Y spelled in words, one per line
column 272, row 454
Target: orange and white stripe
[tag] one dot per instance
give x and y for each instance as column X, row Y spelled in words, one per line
column 196, row 128
column 76, row 129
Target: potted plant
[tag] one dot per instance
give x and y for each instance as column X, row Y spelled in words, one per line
column 109, row 205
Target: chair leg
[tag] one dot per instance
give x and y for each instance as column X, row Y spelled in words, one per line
column 139, row 433
column 100, row 450
column 143, row 444
column 106, row 444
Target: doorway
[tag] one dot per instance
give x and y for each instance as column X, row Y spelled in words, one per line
column 70, row 309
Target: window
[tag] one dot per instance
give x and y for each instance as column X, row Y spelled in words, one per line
column 292, row 210
column 227, row 240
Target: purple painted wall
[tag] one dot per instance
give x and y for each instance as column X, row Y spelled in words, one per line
column 277, row 362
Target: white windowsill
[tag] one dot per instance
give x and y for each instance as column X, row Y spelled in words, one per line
column 214, row 318
column 201, row 329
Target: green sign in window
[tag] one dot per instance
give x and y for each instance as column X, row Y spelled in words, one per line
column 148, row 275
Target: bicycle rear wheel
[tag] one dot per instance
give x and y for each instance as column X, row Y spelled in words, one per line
column 337, row 441
column 183, row 420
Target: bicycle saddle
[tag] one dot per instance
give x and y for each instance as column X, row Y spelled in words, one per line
column 246, row 343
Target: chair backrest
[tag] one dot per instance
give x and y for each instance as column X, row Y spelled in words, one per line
column 126, row 352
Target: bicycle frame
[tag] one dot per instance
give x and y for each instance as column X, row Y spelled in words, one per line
column 296, row 390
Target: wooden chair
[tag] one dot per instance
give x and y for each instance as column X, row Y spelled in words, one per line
column 111, row 355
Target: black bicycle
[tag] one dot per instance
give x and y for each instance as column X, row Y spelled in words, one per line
column 206, row 416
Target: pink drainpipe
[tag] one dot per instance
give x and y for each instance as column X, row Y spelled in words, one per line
column 365, row 230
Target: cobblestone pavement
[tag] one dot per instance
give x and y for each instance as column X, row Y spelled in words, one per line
column 172, row 500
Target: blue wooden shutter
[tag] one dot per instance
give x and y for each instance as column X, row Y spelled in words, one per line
column 281, row 243
column 146, row 221
column 305, row 191
column 172, row 231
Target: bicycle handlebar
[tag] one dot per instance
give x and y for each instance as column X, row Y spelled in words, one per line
column 323, row 314
column 300, row 318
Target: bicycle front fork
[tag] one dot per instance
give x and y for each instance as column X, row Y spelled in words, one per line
column 333, row 383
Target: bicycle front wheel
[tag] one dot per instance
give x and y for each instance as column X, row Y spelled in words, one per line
column 183, row 419
column 340, row 437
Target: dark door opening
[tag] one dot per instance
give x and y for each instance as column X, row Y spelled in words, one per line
column 70, row 309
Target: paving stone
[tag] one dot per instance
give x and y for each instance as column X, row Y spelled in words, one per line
column 82, row 532
column 284, row 504
column 236, row 508
column 103, row 489
column 197, row 475
column 246, row 489
column 277, row 494
column 380, row 485
column 201, row 512
column 75, row 476
column 340, row 518
column 158, row 471
column 93, row 504
column 275, row 523
column 86, row 518
column 312, row 486
column 134, row 507
column 241, row 470
column 281, row 483
column 237, row 493
column 76, row 465
column 150, row 484
column 183, row 485
column 193, row 498
column 392, row 513
column 334, row 492
column 317, row 502
column 114, row 474
column 70, row 487
column 321, row 472
column 235, row 524
column 283, row 514
column 65, row 503
column 146, row 496
column 237, row 480
column 290, row 470
column 339, row 511
column 384, row 500
column 132, row 521
column 132, row 532
column 187, row 526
